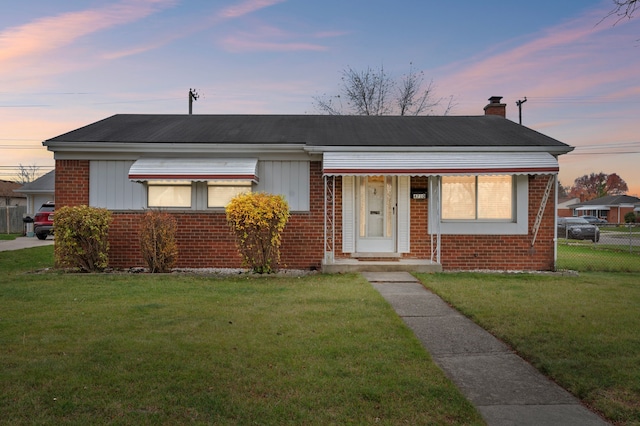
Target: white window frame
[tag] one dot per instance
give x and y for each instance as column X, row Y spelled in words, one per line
column 477, row 202
column 239, row 186
column 519, row 225
column 161, row 184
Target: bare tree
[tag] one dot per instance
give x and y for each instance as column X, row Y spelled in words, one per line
column 624, row 8
column 374, row 92
column 413, row 98
column 27, row 174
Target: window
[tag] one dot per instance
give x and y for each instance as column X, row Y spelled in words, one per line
column 169, row 195
column 470, row 198
column 220, row 193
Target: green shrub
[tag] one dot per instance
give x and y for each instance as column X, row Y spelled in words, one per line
column 82, row 238
column 257, row 219
column 158, row 241
column 630, row 217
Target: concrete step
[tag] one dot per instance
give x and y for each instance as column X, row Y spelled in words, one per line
column 380, row 265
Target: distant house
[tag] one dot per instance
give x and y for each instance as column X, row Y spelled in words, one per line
column 610, row 207
column 39, row 191
column 7, row 195
column 365, row 192
column 563, row 209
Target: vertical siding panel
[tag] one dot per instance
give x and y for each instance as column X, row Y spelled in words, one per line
column 348, row 215
column 404, row 214
column 287, row 178
column 110, row 187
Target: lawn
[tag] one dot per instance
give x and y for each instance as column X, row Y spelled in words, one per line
column 584, row 332
column 586, row 256
column 175, row 349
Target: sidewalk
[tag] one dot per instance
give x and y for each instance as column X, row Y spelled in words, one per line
column 505, row 389
column 24, row 242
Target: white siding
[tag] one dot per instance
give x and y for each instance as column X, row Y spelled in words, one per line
column 348, row 215
column 403, row 214
column 110, row 187
column 288, row 178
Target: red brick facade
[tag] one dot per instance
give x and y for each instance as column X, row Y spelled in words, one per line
column 204, row 239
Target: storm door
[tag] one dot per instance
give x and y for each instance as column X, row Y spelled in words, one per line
column 376, row 205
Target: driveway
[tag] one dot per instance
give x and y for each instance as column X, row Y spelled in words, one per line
column 24, row 242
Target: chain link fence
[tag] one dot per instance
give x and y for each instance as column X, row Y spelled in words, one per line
column 616, row 250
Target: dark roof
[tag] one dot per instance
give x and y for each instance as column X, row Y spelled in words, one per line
column 7, row 187
column 45, row 183
column 312, row 130
column 609, row 200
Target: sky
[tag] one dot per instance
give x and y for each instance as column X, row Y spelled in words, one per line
column 67, row 63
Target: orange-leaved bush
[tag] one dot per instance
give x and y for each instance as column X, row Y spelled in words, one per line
column 257, row 219
column 82, row 238
column 158, row 240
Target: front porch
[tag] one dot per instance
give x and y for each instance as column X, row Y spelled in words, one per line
column 365, row 264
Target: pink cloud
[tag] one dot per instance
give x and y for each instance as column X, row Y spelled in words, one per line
column 239, row 44
column 569, row 59
column 50, row 33
column 246, row 7
column 267, row 38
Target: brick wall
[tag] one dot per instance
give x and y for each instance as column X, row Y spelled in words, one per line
column 506, row 252
column 72, row 183
column 472, row 252
column 204, row 239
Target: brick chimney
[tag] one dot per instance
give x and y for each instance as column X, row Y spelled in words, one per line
column 495, row 107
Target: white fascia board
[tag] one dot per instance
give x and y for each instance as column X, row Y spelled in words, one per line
column 553, row 150
column 196, row 148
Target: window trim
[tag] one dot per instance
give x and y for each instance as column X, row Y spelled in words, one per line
column 519, row 226
column 247, row 186
column 150, row 185
column 514, row 197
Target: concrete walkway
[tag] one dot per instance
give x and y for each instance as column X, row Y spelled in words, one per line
column 24, row 242
column 505, row 389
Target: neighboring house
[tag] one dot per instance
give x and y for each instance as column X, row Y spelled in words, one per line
column 563, row 209
column 38, row 192
column 610, row 207
column 7, row 195
column 414, row 193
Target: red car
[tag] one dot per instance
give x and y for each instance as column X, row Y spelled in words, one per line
column 43, row 221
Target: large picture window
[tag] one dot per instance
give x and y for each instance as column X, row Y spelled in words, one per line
column 165, row 195
column 468, row 198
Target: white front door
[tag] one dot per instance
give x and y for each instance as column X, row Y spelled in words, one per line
column 376, row 214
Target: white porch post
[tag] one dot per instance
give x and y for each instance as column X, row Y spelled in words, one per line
column 434, row 215
column 329, row 218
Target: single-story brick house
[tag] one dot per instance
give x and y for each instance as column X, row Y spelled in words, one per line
column 610, row 207
column 417, row 193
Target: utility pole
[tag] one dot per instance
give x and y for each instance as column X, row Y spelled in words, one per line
column 519, row 103
column 193, row 96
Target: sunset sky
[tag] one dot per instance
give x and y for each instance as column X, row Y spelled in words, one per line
column 68, row 63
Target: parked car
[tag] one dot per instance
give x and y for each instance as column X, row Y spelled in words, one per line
column 577, row 228
column 593, row 219
column 43, row 221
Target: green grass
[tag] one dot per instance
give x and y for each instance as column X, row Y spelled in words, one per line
column 586, row 256
column 176, row 349
column 584, row 331
column 8, row 237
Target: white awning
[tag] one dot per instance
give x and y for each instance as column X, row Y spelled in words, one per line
column 583, row 208
column 194, row 169
column 437, row 163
